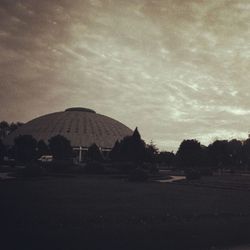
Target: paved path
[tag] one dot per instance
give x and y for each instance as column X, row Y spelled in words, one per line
column 173, row 178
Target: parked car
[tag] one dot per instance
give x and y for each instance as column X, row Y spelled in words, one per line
column 46, row 158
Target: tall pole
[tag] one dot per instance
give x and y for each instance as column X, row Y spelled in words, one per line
column 80, row 153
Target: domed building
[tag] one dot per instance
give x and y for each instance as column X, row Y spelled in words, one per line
column 81, row 126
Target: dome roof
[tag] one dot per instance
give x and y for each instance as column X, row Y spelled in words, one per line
column 81, row 126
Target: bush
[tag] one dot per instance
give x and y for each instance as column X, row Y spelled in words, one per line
column 192, row 174
column 60, row 165
column 94, row 168
column 94, row 153
column 33, row 169
column 206, row 172
column 139, row 175
column 154, row 169
column 124, row 167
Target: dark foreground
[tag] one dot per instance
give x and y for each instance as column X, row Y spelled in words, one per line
column 88, row 212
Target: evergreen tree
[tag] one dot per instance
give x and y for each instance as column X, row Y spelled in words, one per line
column 115, row 153
column 60, row 147
column 25, row 148
column 130, row 148
column 42, row 148
column 94, row 153
column 151, row 152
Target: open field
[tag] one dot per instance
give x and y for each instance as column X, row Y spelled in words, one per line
column 101, row 212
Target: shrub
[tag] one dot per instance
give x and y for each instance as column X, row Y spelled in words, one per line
column 124, row 167
column 60, row 165
column 94, row 153
column 206, row 172
column 153, row 169
column 94, row 168
column 192, row 174
column 2, row 151
column 139, row 175
column 33, row 169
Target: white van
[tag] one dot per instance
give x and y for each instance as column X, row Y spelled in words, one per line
column 46, row 158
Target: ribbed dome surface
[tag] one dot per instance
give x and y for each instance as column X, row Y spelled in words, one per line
column 81, row 126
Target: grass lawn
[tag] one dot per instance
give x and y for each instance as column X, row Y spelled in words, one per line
column 101, row 212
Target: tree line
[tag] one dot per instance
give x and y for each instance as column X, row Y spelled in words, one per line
column 7, row 128
column 129, row 149
column 221, row 154
column 26, row 148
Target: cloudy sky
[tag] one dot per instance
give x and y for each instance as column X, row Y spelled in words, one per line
column 177, row 69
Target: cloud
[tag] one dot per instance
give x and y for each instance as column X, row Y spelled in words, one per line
column 176, row 69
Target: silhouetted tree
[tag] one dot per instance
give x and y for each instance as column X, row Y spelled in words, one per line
column 235, row 152
column 130, row 148
column 25, row 148
column 12, row 127
column 166, row 158
column 60, row 147
column 4, row 129
column 42, row 148
column 94, row 153
column 115, row 153
column 151, row 152
column 246, row 153
column 2, row 151
column 218, row 151
column 133, row 148
column 206, row 161
column 136, row 135
column 189, row 154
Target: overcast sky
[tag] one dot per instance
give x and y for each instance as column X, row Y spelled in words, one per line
column 177, row 69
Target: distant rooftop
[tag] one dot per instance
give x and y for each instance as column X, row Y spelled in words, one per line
column 80, row 109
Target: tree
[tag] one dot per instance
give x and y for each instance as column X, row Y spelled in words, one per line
column 4, row 129
column 235, row 153
column 151, row 152
column 94, row 153
column 219, row 154
column 130, row 148
column 2, row 151
column 189, row 154
column 246, row 152
column 60, row 147
column 13, row 126
column 166, row 158
column 42, row 148
column 25, row 148
column 115, row 153
column 133, row 148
